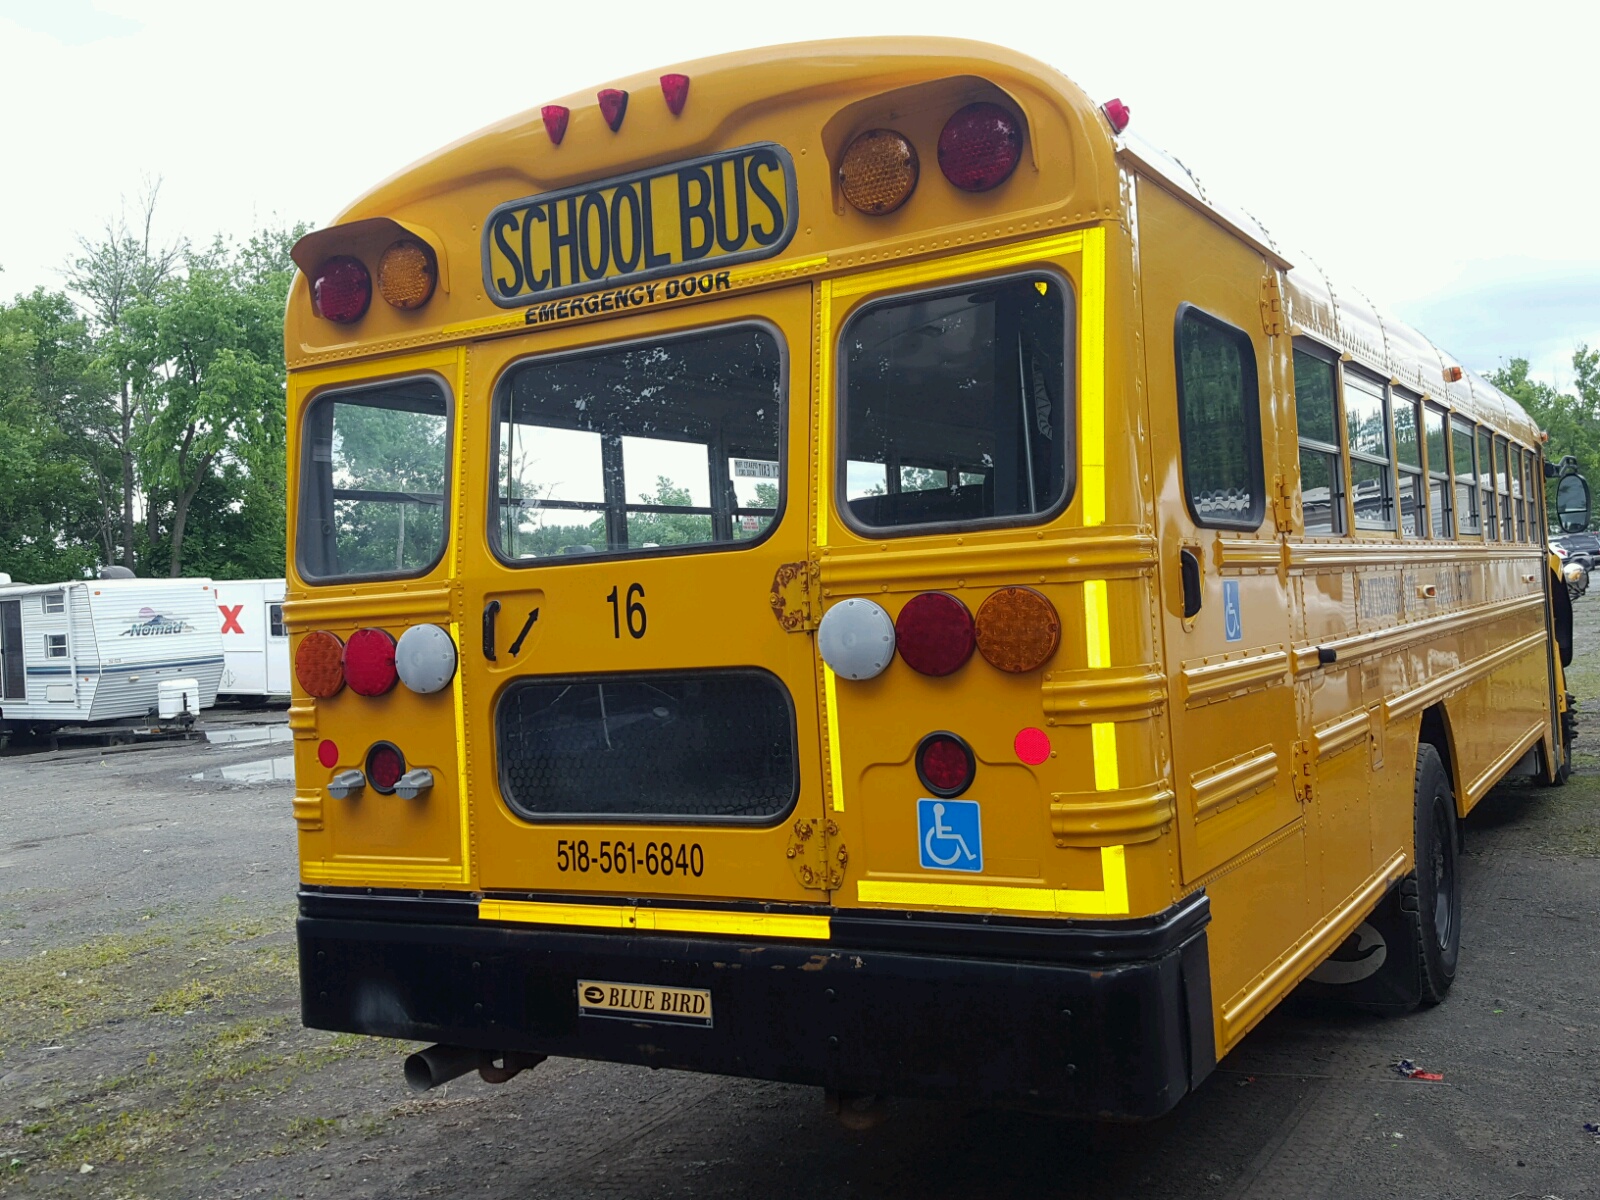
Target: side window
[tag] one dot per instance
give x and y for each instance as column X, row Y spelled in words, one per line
column 55, row 645
column 1502, row 477
column 1530, row 476
column 1367, row 427
column 1439, row 491
column 669, row 443
column 275, row 620
column 1466, row 475
column 1491, row 525
column 1316, row 414
column 373, row 479
column 1219, row 422
column 1520, row 498
column 1408, row 460
column 957, row 406
column 54, row 602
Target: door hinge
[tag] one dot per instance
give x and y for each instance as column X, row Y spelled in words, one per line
column 794, row 597
column 816, row 856
column 1282, row 504
column 1303, row 778
column 1271, row 305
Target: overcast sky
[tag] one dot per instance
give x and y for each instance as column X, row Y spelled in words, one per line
column 1440, row 158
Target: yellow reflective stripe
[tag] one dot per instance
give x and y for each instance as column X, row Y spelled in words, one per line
column 1097, row 622
column 661, row 920
column 830, row 714
column 1092, row 396
column 823, row 402
column 1104, row 738
column 459, row 707
column 1110, row 900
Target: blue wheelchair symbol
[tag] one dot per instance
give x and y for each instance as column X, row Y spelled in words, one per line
column 950, row 835
column 1232, row 618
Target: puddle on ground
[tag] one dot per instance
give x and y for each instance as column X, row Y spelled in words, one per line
column 262, row 770
column 248, row 735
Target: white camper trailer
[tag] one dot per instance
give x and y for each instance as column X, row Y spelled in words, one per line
column 255, row 645
column 106, row 650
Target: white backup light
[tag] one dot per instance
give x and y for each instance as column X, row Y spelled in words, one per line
column 856, row 639
column 425, row 658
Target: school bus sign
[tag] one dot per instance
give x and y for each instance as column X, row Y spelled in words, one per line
column 718, row 210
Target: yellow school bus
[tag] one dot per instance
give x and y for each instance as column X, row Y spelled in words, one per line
column 838, row 564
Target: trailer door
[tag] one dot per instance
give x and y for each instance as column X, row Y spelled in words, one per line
column 13, row 677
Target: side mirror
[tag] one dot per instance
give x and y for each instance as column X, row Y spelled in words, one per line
column 1573, row 503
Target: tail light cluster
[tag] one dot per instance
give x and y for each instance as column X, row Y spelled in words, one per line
column 341, row 290
column 370, row 663
column 979, row 147
column 1016, row 630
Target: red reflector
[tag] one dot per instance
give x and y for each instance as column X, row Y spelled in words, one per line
column 613, row 106
column 980, row 147
column 1117, row 113
column 328, row 753
column 369, row 662
column 945, row 764
column 555, row 121
column 676, row 89
column 1032, row 746
column 385, row 765
column 934, row 633
column 342, row 289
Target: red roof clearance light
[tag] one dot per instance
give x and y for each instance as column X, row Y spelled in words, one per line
column 385, row 766
column 1118, row 114
column 342, row 290
column 613, row 106
column 980, row 147
column 945, row 764
column 676, row 89
column 933, row 633
column 555, row 121
column 369, row 662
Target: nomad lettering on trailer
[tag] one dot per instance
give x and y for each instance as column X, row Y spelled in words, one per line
column 150, row 623
column 708, row 212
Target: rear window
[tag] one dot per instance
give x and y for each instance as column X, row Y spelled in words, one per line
column 1219, row 418
column 957, row 407
column 701, row 746
column 672, row 443
column 373, row 481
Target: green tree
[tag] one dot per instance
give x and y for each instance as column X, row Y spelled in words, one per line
column 1572, row 419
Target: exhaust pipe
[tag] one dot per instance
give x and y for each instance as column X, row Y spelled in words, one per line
column 427, row 1069
column 440, row 1064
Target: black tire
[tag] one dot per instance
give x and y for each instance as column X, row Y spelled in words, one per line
column 1431, row 895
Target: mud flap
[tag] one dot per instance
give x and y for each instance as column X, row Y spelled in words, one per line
column 1376, row 966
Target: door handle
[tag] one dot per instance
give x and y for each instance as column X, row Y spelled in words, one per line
column 1189, row 572
column 490, row 611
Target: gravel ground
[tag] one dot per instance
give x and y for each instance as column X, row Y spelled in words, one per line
column 150, row 1045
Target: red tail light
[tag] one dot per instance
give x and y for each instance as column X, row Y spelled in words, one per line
column 319, row 664
column 369, row 662
column 934, row 633
column 676, row 89
column 945, row 764
column 342, row 290
column 980, row 147
column 385, row 766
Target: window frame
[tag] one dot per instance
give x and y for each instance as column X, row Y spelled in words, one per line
column 1502, row 477
column 54, row 604
column 51, row 643
column 596, row 349
column 1352, row 456
column 1403, row 471
column 1465, row 478
column 840, row 407
column 1329, row 357
column 1252, row 521
column 1488, row 506
column 329, row 394
column 275, row 625
column 1440, row 475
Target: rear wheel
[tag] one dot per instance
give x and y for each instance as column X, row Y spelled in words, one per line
column 1431, row 895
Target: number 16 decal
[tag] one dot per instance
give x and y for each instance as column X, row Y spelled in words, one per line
column 635, row 611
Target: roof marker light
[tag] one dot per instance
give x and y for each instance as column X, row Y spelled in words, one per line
column 676, row 89
column 613, row 106
column 1453, row 374
column 1117, row 113
column 555, row 121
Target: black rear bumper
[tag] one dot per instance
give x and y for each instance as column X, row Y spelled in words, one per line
column 1093, row 1018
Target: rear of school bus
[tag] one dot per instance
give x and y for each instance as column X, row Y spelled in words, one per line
column 723, row 596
